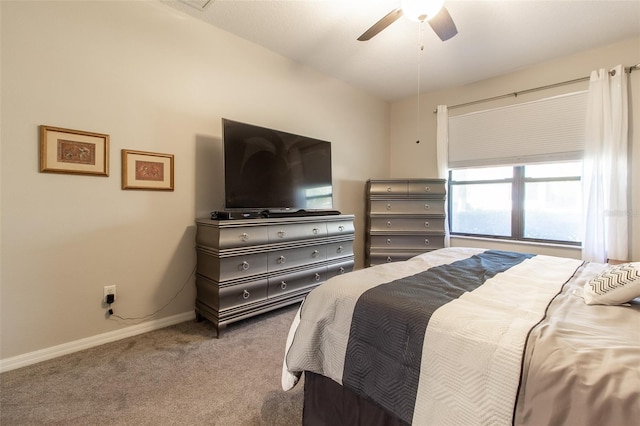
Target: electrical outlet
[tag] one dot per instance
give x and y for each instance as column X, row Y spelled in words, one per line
column 108, row 289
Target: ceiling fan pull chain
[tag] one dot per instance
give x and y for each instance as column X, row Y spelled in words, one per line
column 421, row 45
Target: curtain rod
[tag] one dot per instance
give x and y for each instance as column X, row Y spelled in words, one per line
column 627, row 70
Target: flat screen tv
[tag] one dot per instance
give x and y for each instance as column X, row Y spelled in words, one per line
column 272, row 170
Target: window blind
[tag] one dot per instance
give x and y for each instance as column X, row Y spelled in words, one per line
column 545, row 130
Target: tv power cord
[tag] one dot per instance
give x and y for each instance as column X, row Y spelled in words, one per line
column 111, row 298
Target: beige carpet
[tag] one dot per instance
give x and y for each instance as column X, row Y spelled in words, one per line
column 180, row 375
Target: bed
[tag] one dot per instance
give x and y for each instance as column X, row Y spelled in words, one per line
column 463, row 336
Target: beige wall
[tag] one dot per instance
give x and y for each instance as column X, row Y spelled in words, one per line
column 154, row 80
column 409, row 159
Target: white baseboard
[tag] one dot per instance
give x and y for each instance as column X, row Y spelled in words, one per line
column 90, row 342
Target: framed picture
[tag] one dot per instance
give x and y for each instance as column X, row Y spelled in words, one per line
column 147, row 170
column 73, row 151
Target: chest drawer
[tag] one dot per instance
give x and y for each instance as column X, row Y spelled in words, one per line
column 427, row 187
column 378, row 257
column 387, row 188
column 230, row 268
column 289, row 283
column 296, row 231
column 407, row 241
column 400, row 224
column 291, row 258
column 435, row 207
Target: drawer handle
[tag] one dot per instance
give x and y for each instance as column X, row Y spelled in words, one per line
column 245, row 295
column 426, row 224
column 427, row 189
column 388, row 240
column 283, row 285
column 340, row 228
column 341, row 270
column 427, row 207
column 388, row 189
column 339, row 249
column 388, row 206
column 388, row 224
column 281, row 234
column 388, row 258
column 426, row 242
column 315, row 231
column 244, row 266
column 244, row 236
column 281, row 260
column 315, row 253
column 317, row 277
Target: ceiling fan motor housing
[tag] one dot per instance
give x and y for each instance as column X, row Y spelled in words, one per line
column 421, row 10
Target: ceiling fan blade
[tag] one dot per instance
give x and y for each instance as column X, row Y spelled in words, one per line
column 443, row 25
column 389, row 19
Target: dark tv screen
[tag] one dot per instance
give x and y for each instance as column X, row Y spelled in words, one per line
column 267, row 169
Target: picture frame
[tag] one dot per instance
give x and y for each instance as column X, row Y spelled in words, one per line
column 147, row 170
column 73, row 151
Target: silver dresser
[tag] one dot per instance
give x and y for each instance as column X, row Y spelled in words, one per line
column 250, row 266
column 405, row 217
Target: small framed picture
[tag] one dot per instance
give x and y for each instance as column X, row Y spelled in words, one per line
column 73, row 151
column 147, row 170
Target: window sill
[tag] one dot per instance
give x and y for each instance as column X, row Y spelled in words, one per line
column 550, row 249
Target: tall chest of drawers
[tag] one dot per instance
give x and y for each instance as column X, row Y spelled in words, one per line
column 248, row 267
column 405, row 217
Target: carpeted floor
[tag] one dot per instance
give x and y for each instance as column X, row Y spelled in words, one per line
column 179, row 375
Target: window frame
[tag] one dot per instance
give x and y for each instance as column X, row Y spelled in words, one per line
column 518, row 182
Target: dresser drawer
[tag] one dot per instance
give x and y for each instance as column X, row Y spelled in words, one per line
column 416, row 242
column 228, row 297
column 289, row 283
column 341, row 249
column 241, row 294
column 241, row 237
column 291, row 258
column 401, row 224
column 388, row 187
column 296, row 231
column 224, row 238
column 415, row 207
column 342, row 227
column 339, row 268
column 427, row 187
column 230, row 268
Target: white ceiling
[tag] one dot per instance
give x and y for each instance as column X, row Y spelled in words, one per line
column 494, row 37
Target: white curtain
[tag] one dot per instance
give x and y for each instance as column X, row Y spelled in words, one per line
column 442, row 156
column 605, row 178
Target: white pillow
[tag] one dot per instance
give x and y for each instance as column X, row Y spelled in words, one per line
column 616, row 285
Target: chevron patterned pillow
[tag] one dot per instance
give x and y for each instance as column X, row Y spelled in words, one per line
column 614, row 286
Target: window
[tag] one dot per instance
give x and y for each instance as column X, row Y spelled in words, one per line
column 539, row 202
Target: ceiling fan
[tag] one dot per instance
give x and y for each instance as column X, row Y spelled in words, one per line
column 432, row 11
